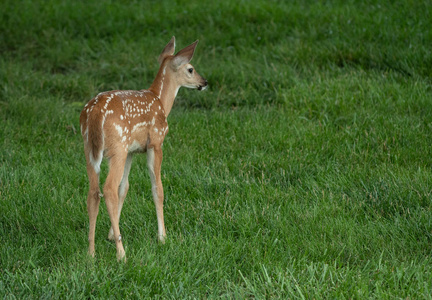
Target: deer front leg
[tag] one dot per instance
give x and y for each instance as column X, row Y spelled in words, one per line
column 154, row 162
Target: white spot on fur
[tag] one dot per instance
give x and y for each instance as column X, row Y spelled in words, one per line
column 162, row 81
column 138, row 125
column 119, row 129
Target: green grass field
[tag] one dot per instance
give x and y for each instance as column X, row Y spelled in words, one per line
column 303, row 172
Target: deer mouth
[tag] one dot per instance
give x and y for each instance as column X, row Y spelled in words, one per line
column 203, row 87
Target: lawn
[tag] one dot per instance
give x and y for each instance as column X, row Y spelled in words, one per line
column 304, row 171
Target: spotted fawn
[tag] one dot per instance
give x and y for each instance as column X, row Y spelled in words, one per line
column 118, row 124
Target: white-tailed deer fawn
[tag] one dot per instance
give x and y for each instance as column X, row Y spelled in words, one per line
column 118, row 124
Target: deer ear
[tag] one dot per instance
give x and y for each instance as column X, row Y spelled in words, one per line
column 168, row 50
column 185, row 55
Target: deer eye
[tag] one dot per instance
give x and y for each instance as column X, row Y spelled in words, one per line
column 190, row 70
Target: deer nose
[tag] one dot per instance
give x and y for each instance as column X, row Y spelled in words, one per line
column 203, row 86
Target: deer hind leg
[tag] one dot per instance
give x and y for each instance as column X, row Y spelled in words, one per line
column 111, row 194
column 154, row 162
column 93, row 200
column 122, row 192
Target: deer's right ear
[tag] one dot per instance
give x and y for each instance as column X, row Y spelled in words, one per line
column 185, row 55
column 168, row 50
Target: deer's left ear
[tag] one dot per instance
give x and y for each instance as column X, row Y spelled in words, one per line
column 168, row 50
column 185, row 55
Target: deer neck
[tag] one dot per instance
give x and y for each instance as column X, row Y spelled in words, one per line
column 165, row 88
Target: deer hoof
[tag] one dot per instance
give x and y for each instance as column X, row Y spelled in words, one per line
column 162, row 239
column 121, row 256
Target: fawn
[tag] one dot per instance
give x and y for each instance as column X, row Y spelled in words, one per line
column 118, row 124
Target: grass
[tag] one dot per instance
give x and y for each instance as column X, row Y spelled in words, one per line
column 303, row 172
